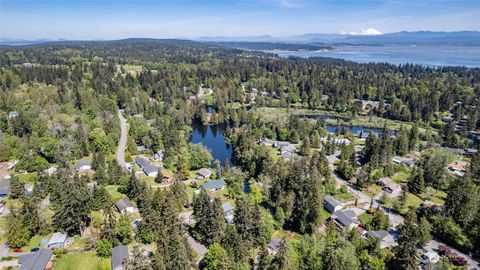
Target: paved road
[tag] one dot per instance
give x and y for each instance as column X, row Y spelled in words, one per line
column 433, row 245
column 123, row 140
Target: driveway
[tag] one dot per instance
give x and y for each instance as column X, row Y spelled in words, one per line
column 123, row 140
column 433, row 245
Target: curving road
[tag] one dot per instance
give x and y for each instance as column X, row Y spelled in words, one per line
column 123, row 140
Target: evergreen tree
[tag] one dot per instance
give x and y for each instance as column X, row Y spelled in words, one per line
column 216, row 258
column 408, row 243
column 17, row 234
column 416, row 183
column 124, row 230
column 16, row 188
column 71, row 210
column 180, row 193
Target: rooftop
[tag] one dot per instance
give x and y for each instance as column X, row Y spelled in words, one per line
column 123, row 204
column 119, row 254
column 217, row 184
column 57, row 237
column 36, row 260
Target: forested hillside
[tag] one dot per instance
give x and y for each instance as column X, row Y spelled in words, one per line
column 58, row 108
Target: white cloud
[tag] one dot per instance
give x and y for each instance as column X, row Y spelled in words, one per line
column 366, row 32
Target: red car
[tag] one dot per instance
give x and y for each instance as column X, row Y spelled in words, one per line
column 17, row 250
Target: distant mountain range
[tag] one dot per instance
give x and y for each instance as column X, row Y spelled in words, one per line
column 466, row 38
column 367, row 37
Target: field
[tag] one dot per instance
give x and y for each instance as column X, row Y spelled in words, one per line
column 113, row 191
column 81, row 261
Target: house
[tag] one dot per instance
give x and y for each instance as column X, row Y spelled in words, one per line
column 332, row 205
column 214, row 185
column 158, row 156
column 150, row 122
column 288, row 148
column 142, row 148
column 401, row 160
column 4, row 189
column 12, row 114
column 267, row 141
column 204, row 173
column 385, row 238
column 51, row 170
column 345, row 220
column 429, row 258
column 83, row 165
column 57, row 240
column 280, row 144
column 124, row 206
column 228, row 210
column 119, row 256
column 28, row 189
column 457, row 168
column 471, row 152
column 274, row 246
column 389, row 186
column 36, row 261
column 147, row 168
column 364, row 134
column 167, row 178
column 456, row 151
column 287, row 155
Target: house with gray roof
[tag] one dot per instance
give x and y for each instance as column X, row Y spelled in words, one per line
column 214, row 185
column 147, row 168
column 345, row 220
column 83, row 165
column 158, row 156
column 57, row 240
column 332, row 205
column 204, row 173
column 124, row 206
column 274, row 246
column 385, row 238
column 228, row 210
column 4, row 189
column 39, row 260
column 12, row 114
column 119, row 256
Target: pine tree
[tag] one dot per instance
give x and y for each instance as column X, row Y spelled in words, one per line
column 17, row 234
column 16, row 188
column 108, row 227
column 101, row 198
column 180, row 193
column 416, row 183
column 71, row 210
column 408, row 243
column 124, row 230
column 243, row 219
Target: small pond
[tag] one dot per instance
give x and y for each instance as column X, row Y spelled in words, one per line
column 211, row 136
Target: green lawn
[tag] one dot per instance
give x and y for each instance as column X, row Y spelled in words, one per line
column 35, row 242
column 113, row 191
column 372, row 190
column 365, row 218
column 344, row 197
column 78, row 243
column 401, row 177
column 27, row 177
column 81, row 261
column 437, row 196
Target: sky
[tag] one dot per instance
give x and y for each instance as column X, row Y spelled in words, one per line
column 116, row 19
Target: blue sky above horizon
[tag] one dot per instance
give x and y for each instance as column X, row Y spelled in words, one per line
column 114, row 19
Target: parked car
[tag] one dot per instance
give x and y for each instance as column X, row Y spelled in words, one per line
column 17, row 250
column 35, row 249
